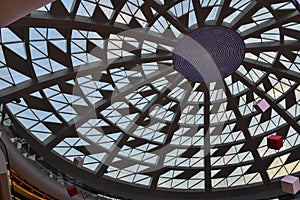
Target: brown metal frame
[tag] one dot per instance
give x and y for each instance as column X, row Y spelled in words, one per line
column 64, row 22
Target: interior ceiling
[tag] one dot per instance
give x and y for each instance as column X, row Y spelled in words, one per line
column 96, row 80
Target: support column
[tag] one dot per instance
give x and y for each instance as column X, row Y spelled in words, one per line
column 4, row 184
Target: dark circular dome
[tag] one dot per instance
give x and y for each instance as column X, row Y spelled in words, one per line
column 209, row 54
column 99, row 80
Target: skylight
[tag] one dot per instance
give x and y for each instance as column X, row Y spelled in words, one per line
column 98, row 82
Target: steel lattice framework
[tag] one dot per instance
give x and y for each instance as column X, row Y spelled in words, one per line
column 96, row 79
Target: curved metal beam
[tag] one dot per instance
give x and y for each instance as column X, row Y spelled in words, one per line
column 273, row 46
column 291, row 75
column 273, row 23
column 28, row 87
column 46, row 20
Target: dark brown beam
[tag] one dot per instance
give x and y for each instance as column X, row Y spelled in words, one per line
column 198, row 12
column 273, row 46
column 294, row 76
column 207, row 144
column 273, row 23
column 29, row 60
column 246, row 13
column 74, row 9
column 224, row 12
column 164, row 12
column 46, row 20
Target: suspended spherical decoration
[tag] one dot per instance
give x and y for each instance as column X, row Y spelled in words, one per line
column 209, row 54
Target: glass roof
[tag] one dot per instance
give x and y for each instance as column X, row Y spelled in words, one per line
column 97, row 81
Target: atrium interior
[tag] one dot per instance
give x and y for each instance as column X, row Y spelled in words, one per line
column 151, row 99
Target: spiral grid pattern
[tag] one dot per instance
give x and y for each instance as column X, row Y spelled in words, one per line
column 222, row 46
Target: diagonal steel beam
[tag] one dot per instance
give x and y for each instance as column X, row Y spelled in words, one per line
column 273, row 23
column 271, row 69
column 271, row 46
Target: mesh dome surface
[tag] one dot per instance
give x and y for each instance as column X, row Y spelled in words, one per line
column 98, row 80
